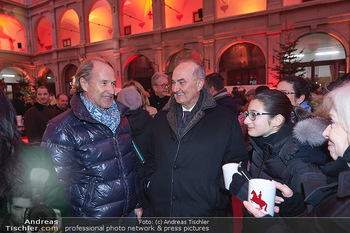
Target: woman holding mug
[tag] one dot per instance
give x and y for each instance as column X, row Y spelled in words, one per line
column 278, row 154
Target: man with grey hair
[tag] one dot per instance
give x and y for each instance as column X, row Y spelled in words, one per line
column 91, row 148
column 191, row 139
column 160, row 95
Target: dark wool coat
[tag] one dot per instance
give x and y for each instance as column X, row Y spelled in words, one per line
column 35, row 120
column 185, row 165
column 96, row 166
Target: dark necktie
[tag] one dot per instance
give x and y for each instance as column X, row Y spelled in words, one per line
column 185, row 116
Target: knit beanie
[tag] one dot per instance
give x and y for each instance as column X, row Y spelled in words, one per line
column 130, row 98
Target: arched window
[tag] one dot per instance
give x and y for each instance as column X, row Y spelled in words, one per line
column 179, row 56
column 12, row 80
column 68, row 29
column 44, row 33
column 140, row 69
column 323, row 56
column 12, row 34
column 243, row 64
column 100, row 21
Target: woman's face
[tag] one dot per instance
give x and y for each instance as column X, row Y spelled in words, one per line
column 338, row 140
column 261, row 126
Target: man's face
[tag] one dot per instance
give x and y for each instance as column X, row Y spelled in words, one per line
column 17, row 209
column 43, row 96
column 161, row 87
column 101, row 87
column 62, row 102
column 186, row 89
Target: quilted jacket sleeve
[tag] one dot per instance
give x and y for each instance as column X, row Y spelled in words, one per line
column 59, row 143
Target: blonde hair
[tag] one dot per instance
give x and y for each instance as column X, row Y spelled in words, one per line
column 339, row 99
column 141, row 90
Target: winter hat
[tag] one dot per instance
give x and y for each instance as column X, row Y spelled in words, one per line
column 130, row 98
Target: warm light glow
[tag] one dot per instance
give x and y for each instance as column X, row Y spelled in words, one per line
column 180, row 12
column 12, row 34
column 138, row 15
column 226, row 8
column 68, row 27
column 100, row 21
column 44, row 33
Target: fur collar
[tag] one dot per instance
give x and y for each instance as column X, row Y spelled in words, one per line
column 309, row 131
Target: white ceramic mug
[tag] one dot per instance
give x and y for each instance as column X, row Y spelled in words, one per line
column 261, row 193
column 229, row 169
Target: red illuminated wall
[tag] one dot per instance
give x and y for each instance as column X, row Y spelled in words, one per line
column 12, row 34
column 68, row 29
column 180, row 12
column 44, row 33
column 227, row 8
column 100, row 21
column 137, row 14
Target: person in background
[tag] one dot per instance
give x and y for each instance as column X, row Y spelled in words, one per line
column 145, row 101
column 160, row 95
column 260, row 89
column 61, row 103
column 36, row 118
column 18, row 103
column 19, row 201
column 191, row 139
column 30, row 101
column 297, row 89
column 140, row 124
column 90, row 145
column 215, row 84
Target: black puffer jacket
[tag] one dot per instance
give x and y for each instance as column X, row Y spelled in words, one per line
column 96, row 166
column 285, row 156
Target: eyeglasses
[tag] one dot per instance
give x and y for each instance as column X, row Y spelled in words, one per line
column 252, row 115
column 163, row 85
column 287, row 92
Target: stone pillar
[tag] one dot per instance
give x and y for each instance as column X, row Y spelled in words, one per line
column 209, row 55
column 209, row 10
column 158, row 14
column 274, row 4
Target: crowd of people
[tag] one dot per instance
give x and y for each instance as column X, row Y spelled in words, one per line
column 130, row 155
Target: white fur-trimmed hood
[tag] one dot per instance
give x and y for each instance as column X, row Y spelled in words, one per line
column 309, row 131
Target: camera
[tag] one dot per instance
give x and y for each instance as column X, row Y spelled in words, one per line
column 41, row 216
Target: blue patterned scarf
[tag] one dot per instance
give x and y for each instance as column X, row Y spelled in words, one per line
column 110, row 117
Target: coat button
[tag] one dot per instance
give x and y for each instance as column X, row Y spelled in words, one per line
column 174, row 198
column 175, row 167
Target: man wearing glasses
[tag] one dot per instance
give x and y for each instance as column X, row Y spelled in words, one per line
column 160, row 85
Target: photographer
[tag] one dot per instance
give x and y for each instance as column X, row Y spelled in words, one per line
column 31, row 166
column 18, row 202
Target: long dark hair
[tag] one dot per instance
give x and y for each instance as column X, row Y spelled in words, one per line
column 10, row 163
